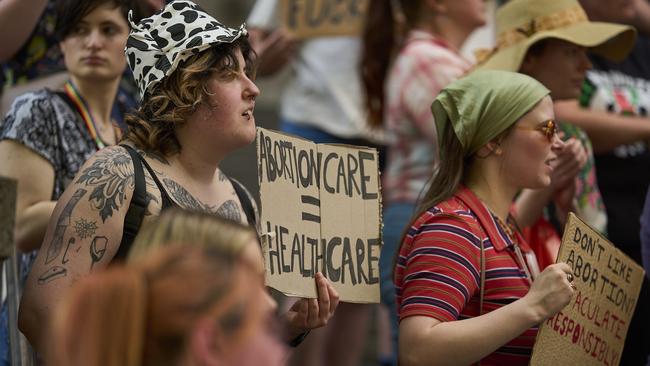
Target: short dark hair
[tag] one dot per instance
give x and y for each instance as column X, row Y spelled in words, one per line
column 70, row 12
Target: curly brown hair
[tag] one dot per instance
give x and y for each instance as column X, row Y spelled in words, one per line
column 151, row 127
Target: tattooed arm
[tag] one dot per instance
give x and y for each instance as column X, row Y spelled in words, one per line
column 84, row 233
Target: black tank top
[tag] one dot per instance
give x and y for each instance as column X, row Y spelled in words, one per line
column 138, row 205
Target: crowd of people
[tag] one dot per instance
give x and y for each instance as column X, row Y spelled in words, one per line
column 137, row 249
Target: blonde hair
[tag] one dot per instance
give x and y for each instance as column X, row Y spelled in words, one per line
column 144, row 313
column 176, row 226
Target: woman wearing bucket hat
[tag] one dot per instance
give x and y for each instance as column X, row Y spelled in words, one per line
column 451, row 277
column 548, row 41
column 410, row 52
column 198, row 99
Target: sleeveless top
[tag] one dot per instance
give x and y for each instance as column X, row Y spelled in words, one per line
column 138, row 205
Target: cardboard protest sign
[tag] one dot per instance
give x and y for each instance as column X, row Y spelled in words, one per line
column 7, row 216
column 314, row 18
column 321, row 212
column 590, row 330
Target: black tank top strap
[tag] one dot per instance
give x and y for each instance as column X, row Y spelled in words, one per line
column 167, row 202
column 137, row 207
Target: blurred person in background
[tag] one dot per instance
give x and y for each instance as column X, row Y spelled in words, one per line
column 613, row 110
column 411, row 50
column 322, row 102
column 181, row 305
column 554, row 52
column 31, row 58
column 47, row 135
column 176, row 226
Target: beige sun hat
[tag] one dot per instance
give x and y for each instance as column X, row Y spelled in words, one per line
column 522, row 23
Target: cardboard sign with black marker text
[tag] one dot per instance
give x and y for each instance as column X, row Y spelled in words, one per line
column 320, row 211
column 590, row 330
column 317, row 18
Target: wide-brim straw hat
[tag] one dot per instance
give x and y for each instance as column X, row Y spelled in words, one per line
column 522, row 23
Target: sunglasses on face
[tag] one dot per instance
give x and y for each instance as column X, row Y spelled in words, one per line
column 548, row 128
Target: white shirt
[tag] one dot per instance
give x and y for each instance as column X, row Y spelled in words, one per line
column 325, row 89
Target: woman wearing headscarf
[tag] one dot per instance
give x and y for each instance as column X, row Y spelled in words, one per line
column 463, row 270
column 553, row 50
column 194, row 77
column 411, row 50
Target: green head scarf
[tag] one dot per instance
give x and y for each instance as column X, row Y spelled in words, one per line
column 483, row 104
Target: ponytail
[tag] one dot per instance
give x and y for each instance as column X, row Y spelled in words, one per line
column 378, row 43
column 387, row 22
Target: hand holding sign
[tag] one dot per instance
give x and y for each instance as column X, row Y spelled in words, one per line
column 551, row 291
column 592, row 329
column 307, row 314
column 320, row 208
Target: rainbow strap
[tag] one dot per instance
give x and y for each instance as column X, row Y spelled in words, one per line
column 84, row 111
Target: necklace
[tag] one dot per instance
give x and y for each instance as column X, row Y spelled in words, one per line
column 84, row 111
column 510, row 232
column 506, row 227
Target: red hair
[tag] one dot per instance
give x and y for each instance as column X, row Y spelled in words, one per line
column 144, row 313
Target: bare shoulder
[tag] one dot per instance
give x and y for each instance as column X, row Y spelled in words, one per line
column 108, row 177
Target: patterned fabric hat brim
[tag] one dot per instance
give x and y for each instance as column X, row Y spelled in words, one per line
column 158, row 44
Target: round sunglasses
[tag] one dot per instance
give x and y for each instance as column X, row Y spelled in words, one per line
column 548, row 128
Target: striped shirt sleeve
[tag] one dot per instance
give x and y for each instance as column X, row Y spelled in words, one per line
column 440, row 267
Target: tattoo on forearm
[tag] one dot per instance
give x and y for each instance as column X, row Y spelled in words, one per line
column 85, row 228
column 229, row 210
column 109, row 176
column 185, row 199
column 71, row 242
column 52, row 274
column 62, row 223
column 98, row 249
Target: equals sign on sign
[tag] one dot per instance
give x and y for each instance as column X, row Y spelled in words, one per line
column 309, row 200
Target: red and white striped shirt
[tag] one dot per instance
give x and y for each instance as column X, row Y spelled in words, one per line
column 438, row 269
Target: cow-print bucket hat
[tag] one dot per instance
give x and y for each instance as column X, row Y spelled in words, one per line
column 158, row 44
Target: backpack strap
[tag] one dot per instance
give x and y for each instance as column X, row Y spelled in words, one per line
column 245, row 202
column 137, row 207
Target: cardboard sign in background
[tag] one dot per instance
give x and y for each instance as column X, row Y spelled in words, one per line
column 591, row 330
column 314, row 18
column 320, row 204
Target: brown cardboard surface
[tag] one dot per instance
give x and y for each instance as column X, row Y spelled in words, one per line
column 590, row 330
column 315, row 18
column 7, row 216
column 320, row 211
